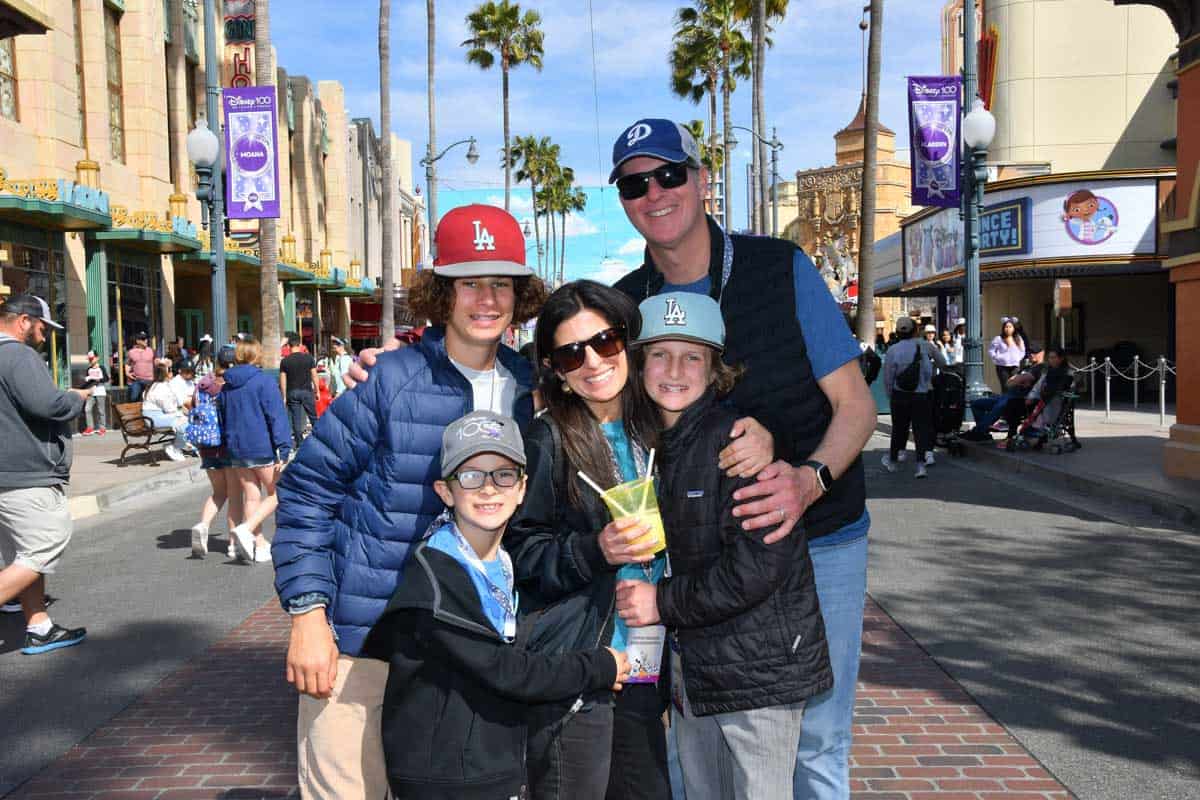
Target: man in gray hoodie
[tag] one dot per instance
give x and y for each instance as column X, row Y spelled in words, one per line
column 35, row 524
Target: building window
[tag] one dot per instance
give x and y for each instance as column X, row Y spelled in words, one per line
column 8, row 80
column 79, row 82
column 116, row 102
column 134, row 300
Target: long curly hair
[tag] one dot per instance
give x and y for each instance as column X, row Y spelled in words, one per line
column 583, row 440
column 432, row 297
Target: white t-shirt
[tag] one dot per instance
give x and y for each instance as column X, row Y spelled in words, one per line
column 494, row 389
column 182, row 389
column 160, row 397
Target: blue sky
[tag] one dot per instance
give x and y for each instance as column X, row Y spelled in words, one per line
column 813, row 85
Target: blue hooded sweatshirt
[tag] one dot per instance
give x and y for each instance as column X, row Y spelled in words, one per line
column 254, row 422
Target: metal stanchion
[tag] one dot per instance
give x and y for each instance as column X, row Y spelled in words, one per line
column 1107, row 388
column 1162, row 391
column 1136, row 361
column 1092, row 381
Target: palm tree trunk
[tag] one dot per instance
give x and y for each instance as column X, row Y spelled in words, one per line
column 760, row 113
column 712, row 141
column 562, row 253
column 430, row 41
column 553, row 245
column 507, row 149
column 865, row 324
column 268, row 238
column 728, row 123
column 537, row 236
column 387, row 318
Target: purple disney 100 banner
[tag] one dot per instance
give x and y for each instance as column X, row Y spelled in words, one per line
column 934, row 112
column 251, row 144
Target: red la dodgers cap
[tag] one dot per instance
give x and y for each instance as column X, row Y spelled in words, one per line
column 478, row 240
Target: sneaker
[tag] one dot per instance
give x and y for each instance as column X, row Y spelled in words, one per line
column 11, row 608
column 101, row 431
column 199, row 540
column 231, row 551
column 173, row 453
column 1000, row 426
column 57, row 638
column 262, row 552
column 888, row 464
column 243, row 543
column 88, row 431
column 902, row 456
column 929, row 459
column 921, row 473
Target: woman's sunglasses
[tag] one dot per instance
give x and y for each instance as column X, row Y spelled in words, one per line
column 636, row 184
column 570, row 357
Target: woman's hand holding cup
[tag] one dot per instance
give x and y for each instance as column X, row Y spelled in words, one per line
column 617, row 541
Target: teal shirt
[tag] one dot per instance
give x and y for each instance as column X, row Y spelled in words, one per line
column 651, row 571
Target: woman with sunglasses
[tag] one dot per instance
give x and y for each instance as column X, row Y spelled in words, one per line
column 568, row 555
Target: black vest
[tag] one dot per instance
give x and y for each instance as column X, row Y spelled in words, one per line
column 763, row 335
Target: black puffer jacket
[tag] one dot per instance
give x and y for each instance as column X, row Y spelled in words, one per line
column 745, row 613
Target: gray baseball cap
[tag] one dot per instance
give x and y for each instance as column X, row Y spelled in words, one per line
column 30, row 305
column 480, row 432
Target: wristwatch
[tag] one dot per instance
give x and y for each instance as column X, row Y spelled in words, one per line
column 824, row 476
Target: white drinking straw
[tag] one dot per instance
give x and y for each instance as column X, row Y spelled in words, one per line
column 600, row 491
column 649, row 479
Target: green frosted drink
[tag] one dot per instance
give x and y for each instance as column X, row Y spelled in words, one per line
column 637, row 499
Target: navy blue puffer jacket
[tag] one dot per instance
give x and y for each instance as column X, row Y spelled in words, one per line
column 360, row 491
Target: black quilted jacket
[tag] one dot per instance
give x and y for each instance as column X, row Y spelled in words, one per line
column 745, row 613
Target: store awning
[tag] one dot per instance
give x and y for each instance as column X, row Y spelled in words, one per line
column 19, row 17
column 51, row 214
column 234, row 258
column 159, row 242
column 954, row 281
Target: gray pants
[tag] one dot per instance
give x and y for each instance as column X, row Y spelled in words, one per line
column 745, row 755
column 96, row 410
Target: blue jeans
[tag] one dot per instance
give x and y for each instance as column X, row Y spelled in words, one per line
column 175, row 422
column 987, row 410
column 823, row 763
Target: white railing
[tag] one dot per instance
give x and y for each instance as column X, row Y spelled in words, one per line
column 1135, row 375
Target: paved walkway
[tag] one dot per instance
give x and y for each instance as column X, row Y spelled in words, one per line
column 98, row 479
column 223, row 728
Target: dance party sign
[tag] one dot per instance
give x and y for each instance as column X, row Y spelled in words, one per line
column 251, row 144
column 934, row 111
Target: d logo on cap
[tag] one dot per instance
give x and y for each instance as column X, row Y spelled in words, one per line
column 637, row 133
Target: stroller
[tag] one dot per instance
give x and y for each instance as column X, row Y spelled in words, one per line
column 1058, row 433
column 949, row 409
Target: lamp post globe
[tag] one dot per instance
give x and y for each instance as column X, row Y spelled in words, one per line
column 472, row 152
column 979, row 126
column 203, row 147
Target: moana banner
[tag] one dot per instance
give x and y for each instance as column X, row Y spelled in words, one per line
column 934, row 113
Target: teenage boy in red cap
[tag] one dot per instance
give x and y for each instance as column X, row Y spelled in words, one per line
column 360, row 492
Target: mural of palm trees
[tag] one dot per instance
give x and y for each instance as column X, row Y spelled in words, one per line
column 535, row 159
column 501, row 29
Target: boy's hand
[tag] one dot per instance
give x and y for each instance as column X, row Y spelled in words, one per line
column 637, row 603
column 617, row 541
column 622, row 668
column 366, row 359
column 312, row 656
column 752, row 448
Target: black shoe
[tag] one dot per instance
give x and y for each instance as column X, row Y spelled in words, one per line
column 976, row 435
column 58, row 637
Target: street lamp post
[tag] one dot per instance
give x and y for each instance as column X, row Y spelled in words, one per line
column 978, row 128
column 431, row 182
column 775, row 146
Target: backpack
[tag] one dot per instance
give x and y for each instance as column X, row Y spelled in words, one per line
column 908, row 379
column 204, row 424
column 869, row 362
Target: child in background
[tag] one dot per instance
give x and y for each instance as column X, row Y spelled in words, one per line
column 459, row 686
column 748, row 642
column 96, row 409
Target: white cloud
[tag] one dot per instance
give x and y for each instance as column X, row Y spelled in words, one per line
column 580, row 226
column 632, row 247
column 608, row 271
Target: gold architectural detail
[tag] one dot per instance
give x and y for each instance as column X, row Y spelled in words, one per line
column 87, row 173
column 36, row 189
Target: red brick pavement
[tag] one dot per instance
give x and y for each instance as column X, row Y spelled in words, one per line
column 223, row 728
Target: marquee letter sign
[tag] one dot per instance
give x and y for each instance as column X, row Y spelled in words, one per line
column 251, row 144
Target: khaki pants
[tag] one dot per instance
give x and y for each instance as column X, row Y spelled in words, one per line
column 339, row 743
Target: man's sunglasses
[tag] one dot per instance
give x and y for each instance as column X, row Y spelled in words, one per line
column 570, row 357
column 636, row 184
column 503, row 478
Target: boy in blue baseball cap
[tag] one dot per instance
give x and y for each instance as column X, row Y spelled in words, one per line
column 739, row 687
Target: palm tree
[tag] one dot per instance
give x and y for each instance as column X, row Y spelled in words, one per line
column 536, row 157
column 517, row 39
column 717, row 17
column 711, row 157
column 268, row 233
column 695, row 66
column 387, row 318
column 759, row 12
column 865, row 322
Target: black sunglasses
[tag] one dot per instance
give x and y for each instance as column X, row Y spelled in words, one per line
column 503, row 478
column 570, row 357
column 636, row 184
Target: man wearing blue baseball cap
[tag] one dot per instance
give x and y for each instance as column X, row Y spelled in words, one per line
column 802, row 382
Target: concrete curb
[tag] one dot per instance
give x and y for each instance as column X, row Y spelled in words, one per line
column 88, row 505
column 1057, row 473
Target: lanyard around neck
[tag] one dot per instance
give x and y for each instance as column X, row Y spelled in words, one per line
column 726, row 264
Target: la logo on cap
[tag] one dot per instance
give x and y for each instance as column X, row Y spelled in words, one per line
column 674, row 315
column 483, row 239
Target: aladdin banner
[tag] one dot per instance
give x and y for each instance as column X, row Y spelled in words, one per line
column 251, row 142
column 934, row 111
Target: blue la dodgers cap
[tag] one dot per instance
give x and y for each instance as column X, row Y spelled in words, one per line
column 657, row 138
column 689, row 316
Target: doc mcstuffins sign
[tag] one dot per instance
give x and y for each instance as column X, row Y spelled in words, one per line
column 934, row 112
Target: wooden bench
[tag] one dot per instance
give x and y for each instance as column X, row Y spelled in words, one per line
column 139, row 432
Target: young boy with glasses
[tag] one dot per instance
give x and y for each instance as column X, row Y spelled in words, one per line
column 459, row 685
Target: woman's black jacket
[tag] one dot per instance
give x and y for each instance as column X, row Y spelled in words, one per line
column 745, row 613
column 458, row 696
